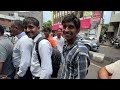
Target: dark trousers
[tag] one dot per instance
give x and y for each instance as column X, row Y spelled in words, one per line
column 28, row 75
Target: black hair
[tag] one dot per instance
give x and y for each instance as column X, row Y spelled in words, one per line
column 31, row 20
column 1, row 29
column 71, row 18
column 46, row 29
column 19, row 24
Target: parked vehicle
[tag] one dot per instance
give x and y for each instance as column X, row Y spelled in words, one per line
column 92, row 45
column 117, row 43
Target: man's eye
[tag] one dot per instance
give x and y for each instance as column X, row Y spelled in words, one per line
column 64, row 27
column 71, row 27
column 31, row 27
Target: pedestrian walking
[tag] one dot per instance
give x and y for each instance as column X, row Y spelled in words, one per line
column 75, row 54
column 22, row 51
column 6, row 49
column 40, row 68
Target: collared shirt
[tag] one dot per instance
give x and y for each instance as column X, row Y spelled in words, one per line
column 45, row 50
column 20, row 35
column 22, row 53
column 75, row 61
column 59, row 42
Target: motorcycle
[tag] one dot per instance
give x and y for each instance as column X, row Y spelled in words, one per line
column 117, row 43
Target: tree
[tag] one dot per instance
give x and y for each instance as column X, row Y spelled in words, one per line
column 47, row 24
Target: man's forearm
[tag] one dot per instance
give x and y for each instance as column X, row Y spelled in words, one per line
column 103, row 73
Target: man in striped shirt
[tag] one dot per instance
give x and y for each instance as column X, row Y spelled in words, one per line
column 75, row 54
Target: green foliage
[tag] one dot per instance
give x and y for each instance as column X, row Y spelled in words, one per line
column 104, row 28
column 47, row 24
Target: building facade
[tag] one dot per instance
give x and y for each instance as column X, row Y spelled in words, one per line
column 23, row 14
column 58, row 16
column 115, row 23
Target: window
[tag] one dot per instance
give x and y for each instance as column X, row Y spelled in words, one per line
column 11, row 14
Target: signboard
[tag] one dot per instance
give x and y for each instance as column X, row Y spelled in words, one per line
column 85, row 23
column 87, row 13
column 96, row 16
column 56, row 26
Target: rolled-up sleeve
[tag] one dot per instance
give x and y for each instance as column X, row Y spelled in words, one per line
column 112, row 67
column 45, row 51
column 26, row 53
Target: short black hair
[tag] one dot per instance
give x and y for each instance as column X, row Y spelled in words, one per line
column 46, row 29
column 1, row 29
column 71, row 18
column 31, row 20
column 19, row 24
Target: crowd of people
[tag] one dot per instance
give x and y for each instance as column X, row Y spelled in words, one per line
column 31, row 55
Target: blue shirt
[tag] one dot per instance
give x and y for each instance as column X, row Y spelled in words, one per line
column 76, row 59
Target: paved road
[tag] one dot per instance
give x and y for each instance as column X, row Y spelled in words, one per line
column 110, row 52
column 92, row 71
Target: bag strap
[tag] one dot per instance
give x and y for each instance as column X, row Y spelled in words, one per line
column 37, row 50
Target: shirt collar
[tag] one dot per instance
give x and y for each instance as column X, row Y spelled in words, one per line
column 21, row 34
column 37, row 37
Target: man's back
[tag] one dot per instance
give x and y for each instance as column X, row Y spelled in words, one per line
column 6, row 50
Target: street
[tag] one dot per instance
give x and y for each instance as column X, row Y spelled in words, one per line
column 92, row 71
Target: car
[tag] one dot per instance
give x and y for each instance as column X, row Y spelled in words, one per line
column 92, row 45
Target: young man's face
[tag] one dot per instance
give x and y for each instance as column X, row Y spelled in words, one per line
column 46, row 33
column 59, row 32
column 69, row 31
column 31, row 30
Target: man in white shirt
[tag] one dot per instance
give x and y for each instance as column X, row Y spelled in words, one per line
column 22, row 50
column 59, row 40
column 43, row 71
column 111, row 71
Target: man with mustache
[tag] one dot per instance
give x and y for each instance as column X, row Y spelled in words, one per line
column 75, row 54
column 22, row 51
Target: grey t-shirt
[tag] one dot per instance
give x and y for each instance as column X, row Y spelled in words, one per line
column 6, row 50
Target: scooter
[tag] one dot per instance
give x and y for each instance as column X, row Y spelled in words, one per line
column 117, row 43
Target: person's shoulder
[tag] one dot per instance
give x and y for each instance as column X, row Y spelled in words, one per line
column 82, row 47
column 44, row 42
column 26, row 39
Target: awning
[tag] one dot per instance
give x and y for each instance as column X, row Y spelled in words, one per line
column 56, row 26
column 85, row 23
